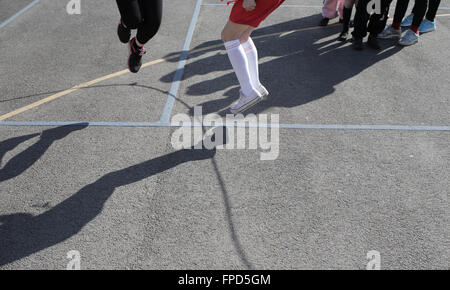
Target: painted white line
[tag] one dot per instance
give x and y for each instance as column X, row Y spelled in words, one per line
column 284, row 5
column 247, row 125
column 6, row 22
column 297, row 6
column 167, row 111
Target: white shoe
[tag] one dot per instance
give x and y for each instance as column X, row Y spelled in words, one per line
column 263, row 92
column 389, row 32
column 244, row 103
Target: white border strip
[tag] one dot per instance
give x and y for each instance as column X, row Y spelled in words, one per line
column 6, row 22
column 295, row 6
column 167, row 111
column 249, row 125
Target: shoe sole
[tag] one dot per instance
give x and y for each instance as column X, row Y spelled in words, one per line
column 408, row 44
column 264, row 94
column 426, row 31
column 389, row 37
column 246, row 106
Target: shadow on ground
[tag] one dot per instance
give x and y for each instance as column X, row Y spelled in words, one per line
column 302, row 68
column 24, row 160
column 22, row 234
column 306, row 63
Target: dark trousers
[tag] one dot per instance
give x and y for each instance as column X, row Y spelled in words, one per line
column 420, row 8
column 364, row 22
column 143, row 15
column 433, row 7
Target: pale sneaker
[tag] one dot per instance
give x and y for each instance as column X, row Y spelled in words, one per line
column 410, row 38
column 389, row 33
column 244, row 103
column 263, row 92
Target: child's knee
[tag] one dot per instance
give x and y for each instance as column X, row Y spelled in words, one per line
column 223, row 35
column 228, row 35
column 245, row 35
column 244, row 38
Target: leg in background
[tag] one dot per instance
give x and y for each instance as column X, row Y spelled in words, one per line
column 412, row 35
column 400, row 11
column 347, row 14
column 151, row 12
column 433, row 7
column 152, row 16
column 428, row 24
column 377, row 23
column 329, row 8
column 130, row 12
column 340, row 9
column 361, row 19
column 328, row 11
column 421, row 9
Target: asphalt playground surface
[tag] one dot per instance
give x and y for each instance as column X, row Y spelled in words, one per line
column 363, row 164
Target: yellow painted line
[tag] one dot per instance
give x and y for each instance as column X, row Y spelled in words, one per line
column 443, row 15
column 125, row 71
column 71, row 90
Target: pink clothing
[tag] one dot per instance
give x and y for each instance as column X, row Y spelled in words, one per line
column 330, row 6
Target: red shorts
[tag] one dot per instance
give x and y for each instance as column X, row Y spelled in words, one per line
column 253, row 18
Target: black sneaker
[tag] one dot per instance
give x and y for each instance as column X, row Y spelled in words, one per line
column 123, row 32
column 135, row 58
column 372, row 42
column 343, row 36
column 324, row 21
column 357, row 43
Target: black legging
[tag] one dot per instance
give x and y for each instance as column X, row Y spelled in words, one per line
column 433, row 7
column 420, row 8
column 377, row 22
column 143, row 15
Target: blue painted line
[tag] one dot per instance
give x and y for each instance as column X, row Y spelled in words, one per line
column 167, row 111
column 6, row 22
column 251, row 125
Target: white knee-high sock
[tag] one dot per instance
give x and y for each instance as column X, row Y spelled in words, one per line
column 238, row 59
column 252, row 57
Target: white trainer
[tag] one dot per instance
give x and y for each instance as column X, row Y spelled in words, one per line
column 390, row 33
column 263, row 92
column 244, row 103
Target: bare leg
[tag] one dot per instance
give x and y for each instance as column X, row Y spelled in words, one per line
column 233, row 31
